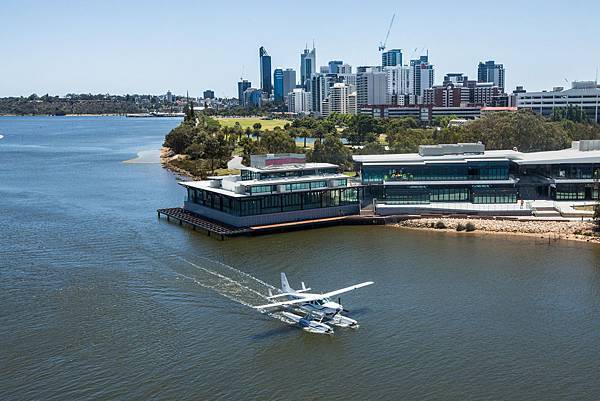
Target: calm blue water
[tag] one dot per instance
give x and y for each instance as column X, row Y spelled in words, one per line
column 101, row 300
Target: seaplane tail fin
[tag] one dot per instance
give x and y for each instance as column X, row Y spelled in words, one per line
column 270, row 293
column 303, row 286
column 285, row 286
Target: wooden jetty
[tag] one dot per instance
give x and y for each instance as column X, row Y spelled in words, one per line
column 220, row 230
column 202, row 224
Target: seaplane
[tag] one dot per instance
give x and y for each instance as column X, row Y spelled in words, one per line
column 316, row 308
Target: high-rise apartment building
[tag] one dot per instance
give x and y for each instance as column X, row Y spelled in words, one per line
column 491, row 72
column 344, row 69
column 421, row 77
column 371, row 87
column 398, row 78
column 298, row 101
column 208, row 94
column 391, row 58
column 265, row 71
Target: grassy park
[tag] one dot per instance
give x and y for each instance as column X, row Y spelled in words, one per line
column 250, row 121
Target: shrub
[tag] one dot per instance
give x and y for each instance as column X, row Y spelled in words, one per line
column 440, row 225
column 432, row 225
column 470, row 226
column 460, row 227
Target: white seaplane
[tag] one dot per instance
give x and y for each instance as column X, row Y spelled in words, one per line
column 318, row 308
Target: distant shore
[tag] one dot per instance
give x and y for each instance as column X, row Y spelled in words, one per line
column 62, row 115
column 582, row 231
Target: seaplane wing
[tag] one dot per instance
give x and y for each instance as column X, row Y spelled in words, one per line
column 304, row 299
column 347, row 289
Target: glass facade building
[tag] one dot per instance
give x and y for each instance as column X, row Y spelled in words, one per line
column 276, row 188
column 278, row 90
column 468, row 173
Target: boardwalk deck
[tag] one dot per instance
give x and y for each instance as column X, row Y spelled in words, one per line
column 212, row 228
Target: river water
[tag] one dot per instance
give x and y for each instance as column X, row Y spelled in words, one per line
column 101, row 300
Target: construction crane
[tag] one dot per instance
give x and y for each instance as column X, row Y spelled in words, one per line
column 382, row 44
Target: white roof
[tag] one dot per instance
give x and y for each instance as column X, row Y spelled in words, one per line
column 291, row 167
column 287, row 180
column 570, row 155
column 415, row 157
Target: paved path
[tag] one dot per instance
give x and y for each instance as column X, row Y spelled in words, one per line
column 235, row 163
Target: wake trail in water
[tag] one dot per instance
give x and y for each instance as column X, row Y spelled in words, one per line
column 242, row 288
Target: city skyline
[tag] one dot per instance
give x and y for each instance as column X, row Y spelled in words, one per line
column 156, row 48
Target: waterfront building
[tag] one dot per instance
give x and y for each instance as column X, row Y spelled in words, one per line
column 391, row 58
column 208, row 94
column 276, row 188
column 242, row 86
column 584, row 94
column 372, row 87
column 265, row 71
column 333, row 66
column 278, row 90
column 308, row 66
column 491, row 72
column 421, row 78
column 169, row 97
column 298, row 101
column 467, row 173
column 289, row 81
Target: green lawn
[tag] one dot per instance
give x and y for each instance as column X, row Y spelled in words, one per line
column 249, row 122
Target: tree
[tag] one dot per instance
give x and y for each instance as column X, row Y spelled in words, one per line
column 331, row 150
column 278, row 141
column 372, row 148
column 179, row 138
column 250, row 147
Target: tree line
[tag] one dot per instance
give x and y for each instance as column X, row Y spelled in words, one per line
column 336, row 138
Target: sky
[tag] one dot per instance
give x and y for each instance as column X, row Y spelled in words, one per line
column 149, row 46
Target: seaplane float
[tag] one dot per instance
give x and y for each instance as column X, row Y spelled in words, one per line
column 314, row 313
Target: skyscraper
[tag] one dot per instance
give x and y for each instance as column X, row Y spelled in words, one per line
column 391, row 58
column 333, row 66
column 289, row 81
column 278, row 85
column 208, row 94
column 491, row 72
column 398, row 78
column 308, row 66
column 265, row 71
column 421, row 78
column 242, row 86
column 371, row 87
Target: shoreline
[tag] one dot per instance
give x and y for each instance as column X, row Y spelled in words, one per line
column 546, row 230
column 166, row 155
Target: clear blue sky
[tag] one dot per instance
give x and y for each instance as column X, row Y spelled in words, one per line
column 151, row 46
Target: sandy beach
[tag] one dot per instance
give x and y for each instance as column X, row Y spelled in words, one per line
column 553, row 230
